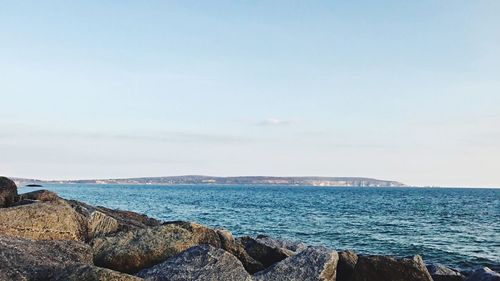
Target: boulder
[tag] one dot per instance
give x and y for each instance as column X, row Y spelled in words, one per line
column 312, row 264
column 346, row 264
column 136, row 249
column 229, row 244
column 101, row 221
column 8, row 192
column 440, row 272
column 91, row 273
column 291, row 246
column 43, row 221
column 483, row 274
column 27, row 259
column 263, row 253
column 40, row 195
column 382, row 268
column 203, row 262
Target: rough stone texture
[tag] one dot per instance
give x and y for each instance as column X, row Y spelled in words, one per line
column 198, row 263
column 312, row 264
column 100, row 224
column 102, row 221
column 382, row 268
column 229, row 244
column 483, row 274
column 40, row 195
column 440, row 272
column 26, row 259
column 345, row 267
column 133, row 250
column 91, row 273
column 42, row 221
column 263, row 253
column 8, row 192
column 292, row 246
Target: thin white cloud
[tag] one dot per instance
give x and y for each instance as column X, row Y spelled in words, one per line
column 274, row 122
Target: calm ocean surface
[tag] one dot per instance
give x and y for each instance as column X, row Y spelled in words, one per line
column 457, row 227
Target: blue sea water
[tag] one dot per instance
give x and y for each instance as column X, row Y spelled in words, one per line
column 456, row 227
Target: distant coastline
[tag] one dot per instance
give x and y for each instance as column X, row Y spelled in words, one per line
column 240, row 180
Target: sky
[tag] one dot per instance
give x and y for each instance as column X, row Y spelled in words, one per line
column 396, row 90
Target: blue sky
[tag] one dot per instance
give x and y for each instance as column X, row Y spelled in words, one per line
column 403, row 90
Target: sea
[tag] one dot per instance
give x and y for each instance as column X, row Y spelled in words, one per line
column 457, row 227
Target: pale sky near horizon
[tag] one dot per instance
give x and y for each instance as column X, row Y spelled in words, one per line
column 397, row 90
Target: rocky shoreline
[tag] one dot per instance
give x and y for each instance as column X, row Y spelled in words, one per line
column 45, row 237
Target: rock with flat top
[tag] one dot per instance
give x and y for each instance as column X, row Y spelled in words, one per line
column 203, row 262
column 40, row 195
column 382, row 268
column 312, row 264
column 43, row 221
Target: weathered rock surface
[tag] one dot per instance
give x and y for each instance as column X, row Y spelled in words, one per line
column 26, row 259
column 382, row 268
column 483, row 274
column 346, row 264
column 229, row 244
column 292, row 246
column 440, row 272
column 312, row 264
column 101, row 221
column 40, row 195
column 262, row 252
column 8, row 192
column 198, row 263
column 133, row 250
column 91, row 273
column 42, row 221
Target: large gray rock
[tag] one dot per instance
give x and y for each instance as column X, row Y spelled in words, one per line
column 262, row 252
column 8, row 192
column 136, row 249
column 198, row 263
column 382, row 268
column 346, row 264
column 229, row 244
column 440, row 272
column 26, row 259
column 43, row 221
column 91, row 273
column 101, row 221
column 292, row 247
column 312, row 264
column 483, row 274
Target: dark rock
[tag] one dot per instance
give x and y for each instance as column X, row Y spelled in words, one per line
column 346, row 264
column 229, row 244
column 312, row 264
column 136, row 249
column 24, row 202
column 483, row 274
column 382, row 268
column 263, row 253
column 8, row 192
column 33, row 185
column 42, row 221
column 440, row 272
column 198, row 263
column 26, row 259
column 91, row 273
column 292, row 246
column 40, row 195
